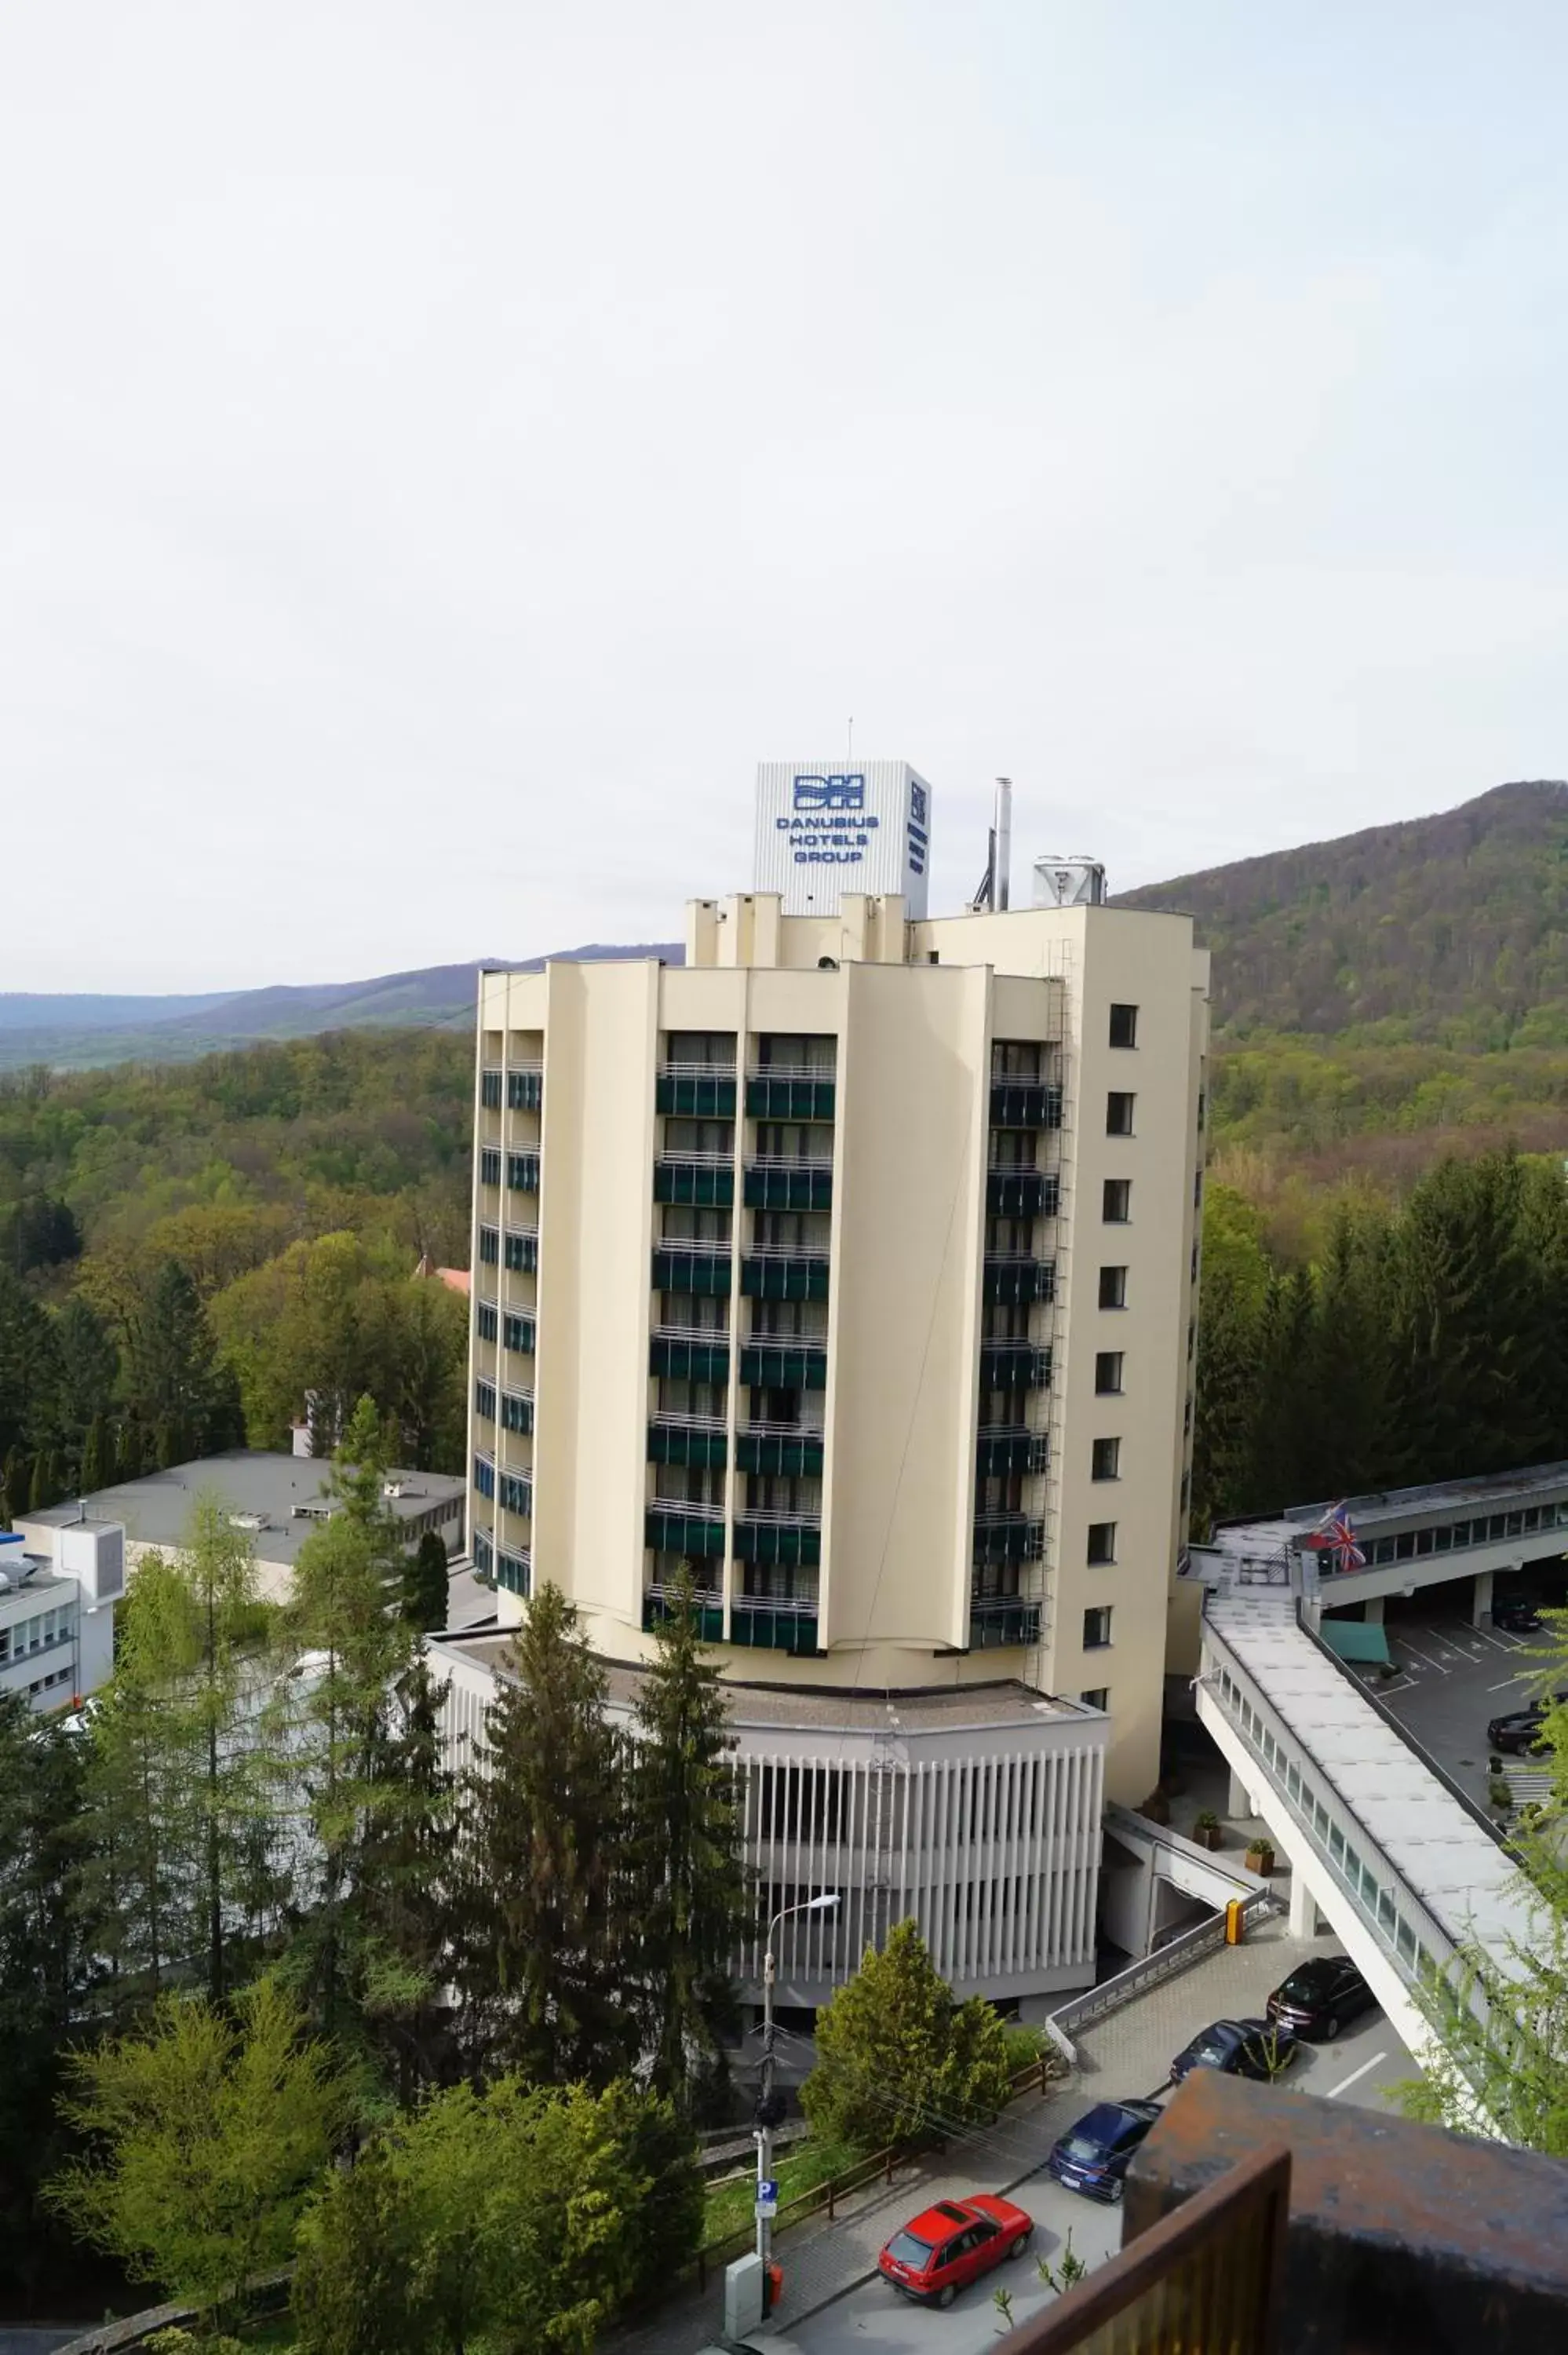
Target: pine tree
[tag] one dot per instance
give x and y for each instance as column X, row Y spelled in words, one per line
column 689, row 1891
column 544, row 1947
column 399, row 1906
column 97, row 1457
column 425, row 1585
column 1347, row 1446
column 174, row 1376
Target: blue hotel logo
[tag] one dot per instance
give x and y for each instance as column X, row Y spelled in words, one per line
column 843, row 793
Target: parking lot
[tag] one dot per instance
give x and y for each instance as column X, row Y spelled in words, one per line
column 1128, row 2053
column 1451, row 1678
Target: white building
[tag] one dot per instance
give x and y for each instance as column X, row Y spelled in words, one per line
column 57, row 1613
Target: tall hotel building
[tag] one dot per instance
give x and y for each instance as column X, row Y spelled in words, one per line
column 853, row 1264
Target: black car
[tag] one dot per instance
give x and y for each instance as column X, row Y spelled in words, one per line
column 1319, row 1999
column 1092, row 2156
column 1241, row 2047
column 1516, row 1615
column 1521, row 1729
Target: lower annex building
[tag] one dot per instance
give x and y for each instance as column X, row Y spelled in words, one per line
column 852, row 1264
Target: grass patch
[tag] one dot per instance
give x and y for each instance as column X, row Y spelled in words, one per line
column 732, row 2205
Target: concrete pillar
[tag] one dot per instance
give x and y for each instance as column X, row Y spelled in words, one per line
column 1372, row 1607
column 1238, row 1798
column 1481, row 1599
column 1305, row 1919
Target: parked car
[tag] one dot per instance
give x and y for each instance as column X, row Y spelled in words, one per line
column 946, row 2247
column 1521, row 1729
column 1320, row 1997
column 1517, row 1615
column 1092, row 2156
column 1241, row 2048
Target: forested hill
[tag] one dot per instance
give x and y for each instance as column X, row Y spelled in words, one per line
column 1451, row 929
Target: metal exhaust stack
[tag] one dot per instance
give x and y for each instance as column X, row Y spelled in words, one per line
column 1001, row 844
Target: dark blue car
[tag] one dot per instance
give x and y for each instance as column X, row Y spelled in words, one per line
column 1092, row 2156
column 1239, row 2047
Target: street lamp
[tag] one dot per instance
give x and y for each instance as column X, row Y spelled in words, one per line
column 766, row 2120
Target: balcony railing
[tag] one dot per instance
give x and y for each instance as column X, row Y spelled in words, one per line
column 790, row 1185
column 670, row 1527
column 706, row 1179
column 682, row 1439
column 1008, row 1536
column 780, row 1449
column 792, row 1541
column 679, row 1268
column 1017, row 1279
column 773, row 1624
column 693, row 1091
column 1015, row 1193
column 1010, row 1447
column 1026, row 1104
column 784, row 1274
column 1002, row 1619
column 784, row 1365
column 661, row 1603
column 683, row 1355
column 778, row 1094
column 1021, row 1365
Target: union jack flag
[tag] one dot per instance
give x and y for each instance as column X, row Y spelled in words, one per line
column 1336, row 1535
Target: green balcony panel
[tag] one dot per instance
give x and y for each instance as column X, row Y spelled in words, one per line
column 995, row 1623
column 693, row 1271
column 1025, row 1104
column 711, row 1186
column 792, row 1545
column 1022, row 1193
column 999, row 1452
column 784, row 1279
column 690, row 1362
column 709, row 1616
column 789, row 1189
column 1019, row 1281
column 768, row 1099
column 676, row 1443
column 764, row 1367
column 757, row 1450
column 668, row 1530
column 1014, row 1366
column 758, row 1625
column 694, row 1098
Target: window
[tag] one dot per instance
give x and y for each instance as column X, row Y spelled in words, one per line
column 517, row 1495
column 490, row 1091
column 519, row 1332
column 1107, row 1373
column 1107, row 1460
column 484, row 1400
column 1124, row 1026
column 489, row 1165
column 517, row 1412
column 484, row 1475
column 486, row 1321
column 1096, row 1696
column 1116, row 1201
column 701, row 1050
column 1096, row 1628
column 490, row 1245
column 1113, row 1287
column 1197, row 1184
column 1119, row 1114
column 1102, row 1543
column 522, row 1252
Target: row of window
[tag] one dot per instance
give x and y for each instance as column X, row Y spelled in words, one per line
column 513, row 1571
column 515, row 1332
column 37, row 1633
column 1491, row 1529
column 521, row 1169
column 525, row 1091
column 519, row 1249
column 1376, row 1898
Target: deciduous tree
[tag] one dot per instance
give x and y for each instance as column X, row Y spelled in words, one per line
column 898, row 2058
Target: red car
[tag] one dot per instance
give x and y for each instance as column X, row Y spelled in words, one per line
column 944, row 2248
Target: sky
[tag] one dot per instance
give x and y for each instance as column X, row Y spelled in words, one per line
column 444, row 447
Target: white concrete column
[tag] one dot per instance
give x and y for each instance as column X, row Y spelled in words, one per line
column 1238, row 1798
column 1373, row 1606
column 1481, row 1600
column 1306, row 1922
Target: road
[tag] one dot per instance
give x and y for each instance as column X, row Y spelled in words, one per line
column 1362, row 2066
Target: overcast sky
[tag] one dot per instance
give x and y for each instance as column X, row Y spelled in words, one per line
column 444, row 447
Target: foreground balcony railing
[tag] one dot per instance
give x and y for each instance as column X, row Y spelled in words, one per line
column 1008, row 1536
column 685, row 1355
column 704, row 1179
column 783, row 1449
column 790, row 1540
column 789, row 1185
column 776, row 1093
column 688, row 1439
column 693, row 1091
column 789, row 1274
column 784, row 1622
column 1011, row 1192
column 1017, row 1279
column 1001, row 1448
column 1001, row 1620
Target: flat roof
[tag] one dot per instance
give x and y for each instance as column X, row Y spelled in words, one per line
column 1532, row 1479
column 1465, row 1880
column 44, row 1581
column 156, row 1509
column 942, row 1709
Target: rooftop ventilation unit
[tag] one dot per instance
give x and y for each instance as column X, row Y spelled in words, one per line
column 1075, row 881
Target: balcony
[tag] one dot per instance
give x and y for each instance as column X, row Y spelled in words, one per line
column 523, row 1172
column 1001, row 1448
column 779, row 1448
column 1008, row 1536
column 784, row 1094
column 661, row 1603
column 686, row 1354
column 1018, row 1278
column 693, row 1439
column 787, row 1540
column 1019, row 1365
column 1025, row 1104
column 694, row 1092
column 776, row 1623
column 784, row 1276
column 790, row 1185
column 706, row 1179
column 997, row 1620
column 784, row 1366
column 1011, row 1193
column 524, row 1088
column 705, row 1272
column 672, row 1527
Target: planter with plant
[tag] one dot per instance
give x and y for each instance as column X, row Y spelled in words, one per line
column 1207, row 1829
column 1157, row 1807
column 1260, row 1858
